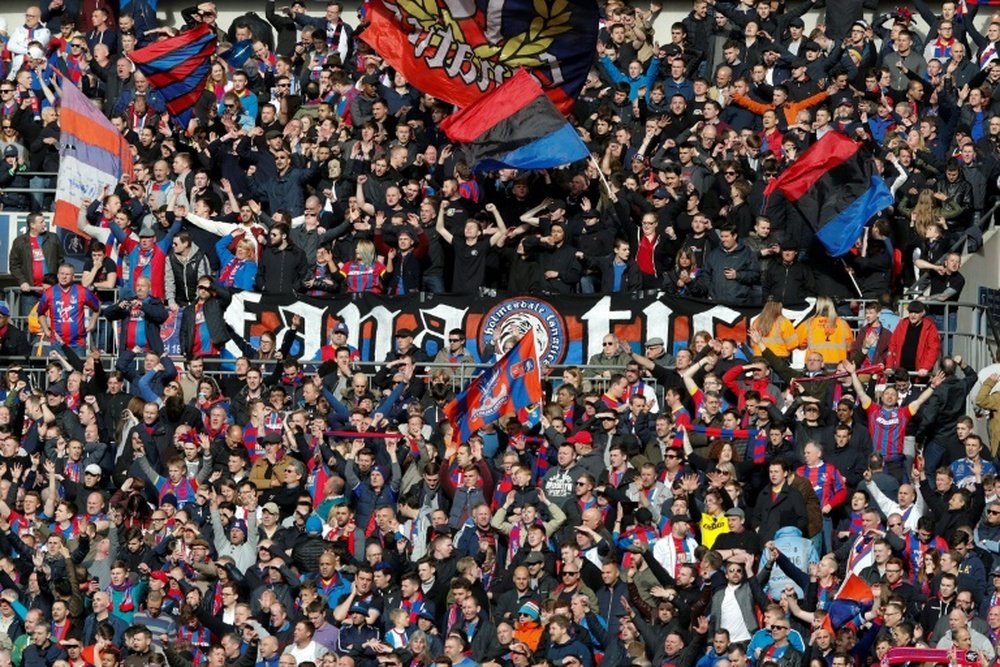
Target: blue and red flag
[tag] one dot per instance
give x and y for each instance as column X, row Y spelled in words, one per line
column 178, row 68
column 515, row 126
column 836, row 190
column 854, row 598
column 513, row 384
column 93, row 155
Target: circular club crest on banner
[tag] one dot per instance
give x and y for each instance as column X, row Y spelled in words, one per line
column 505, row 323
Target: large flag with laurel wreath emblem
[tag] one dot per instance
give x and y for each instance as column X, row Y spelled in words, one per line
column 457, row 50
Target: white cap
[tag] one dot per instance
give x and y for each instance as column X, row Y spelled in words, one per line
column 3, row 24
column 35, row 52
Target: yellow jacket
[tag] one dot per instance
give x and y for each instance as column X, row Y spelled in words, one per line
column 781, row 339
column 833, row 347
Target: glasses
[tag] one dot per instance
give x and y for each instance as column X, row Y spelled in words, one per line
column 893, row 571
column 779, row 627
column 283, row 85
column 570, row 574
column 7, row 91
column 729, row 173
column 607, row 344
column 76, row 46
column 454, row 340
column 204, row 287
column 581, row 484
column 229, row 106
column 671, row 456
column 994, row 512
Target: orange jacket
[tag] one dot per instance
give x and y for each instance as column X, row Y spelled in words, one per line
column 529, row 632
column 791, row 109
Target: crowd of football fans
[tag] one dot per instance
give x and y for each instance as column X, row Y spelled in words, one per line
column 694, row 507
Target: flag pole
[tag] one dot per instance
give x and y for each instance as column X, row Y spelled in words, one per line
column 600, row 174
column 850, row 274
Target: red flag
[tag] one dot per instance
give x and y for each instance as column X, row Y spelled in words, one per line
column 458, row 50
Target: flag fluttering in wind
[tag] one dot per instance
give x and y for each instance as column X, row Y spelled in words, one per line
column 178, row 68
column 854, row 597
column 458, row 50
column 93, row 155
column 513, row 386
column 836, row 190
column 515, row 126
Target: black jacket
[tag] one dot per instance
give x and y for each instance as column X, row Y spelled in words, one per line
column 787, row 509
column 14, row 343
column 561, row 259
column 789, row 284
column 281, row 272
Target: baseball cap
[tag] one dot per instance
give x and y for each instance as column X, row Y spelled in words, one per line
column 271, row 508
column 341, row 328
column 92, row 469
column 10, row 151
column 4, row 309
column 580, row 437
column 314, row 526
column 736, row 511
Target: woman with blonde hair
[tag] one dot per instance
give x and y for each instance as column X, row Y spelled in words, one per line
column 364, row 273
column 777, row 333
column 924, row 213
column 826, row 333
column 239, row 266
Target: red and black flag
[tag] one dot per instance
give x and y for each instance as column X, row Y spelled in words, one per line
column 515, row 126
column 836, row 190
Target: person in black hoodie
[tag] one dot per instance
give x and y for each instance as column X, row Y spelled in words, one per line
column 557, row 259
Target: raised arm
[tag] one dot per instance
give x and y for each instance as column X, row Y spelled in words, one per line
column 926, row 393
column 442, row 230
column 863, row 396
column 501, row 233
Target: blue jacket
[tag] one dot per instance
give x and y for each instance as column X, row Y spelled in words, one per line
column 245, row 275
column 573, row 647
column 644, row 80
column 35, row 656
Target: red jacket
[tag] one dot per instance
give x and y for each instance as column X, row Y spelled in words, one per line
column 928, row 347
